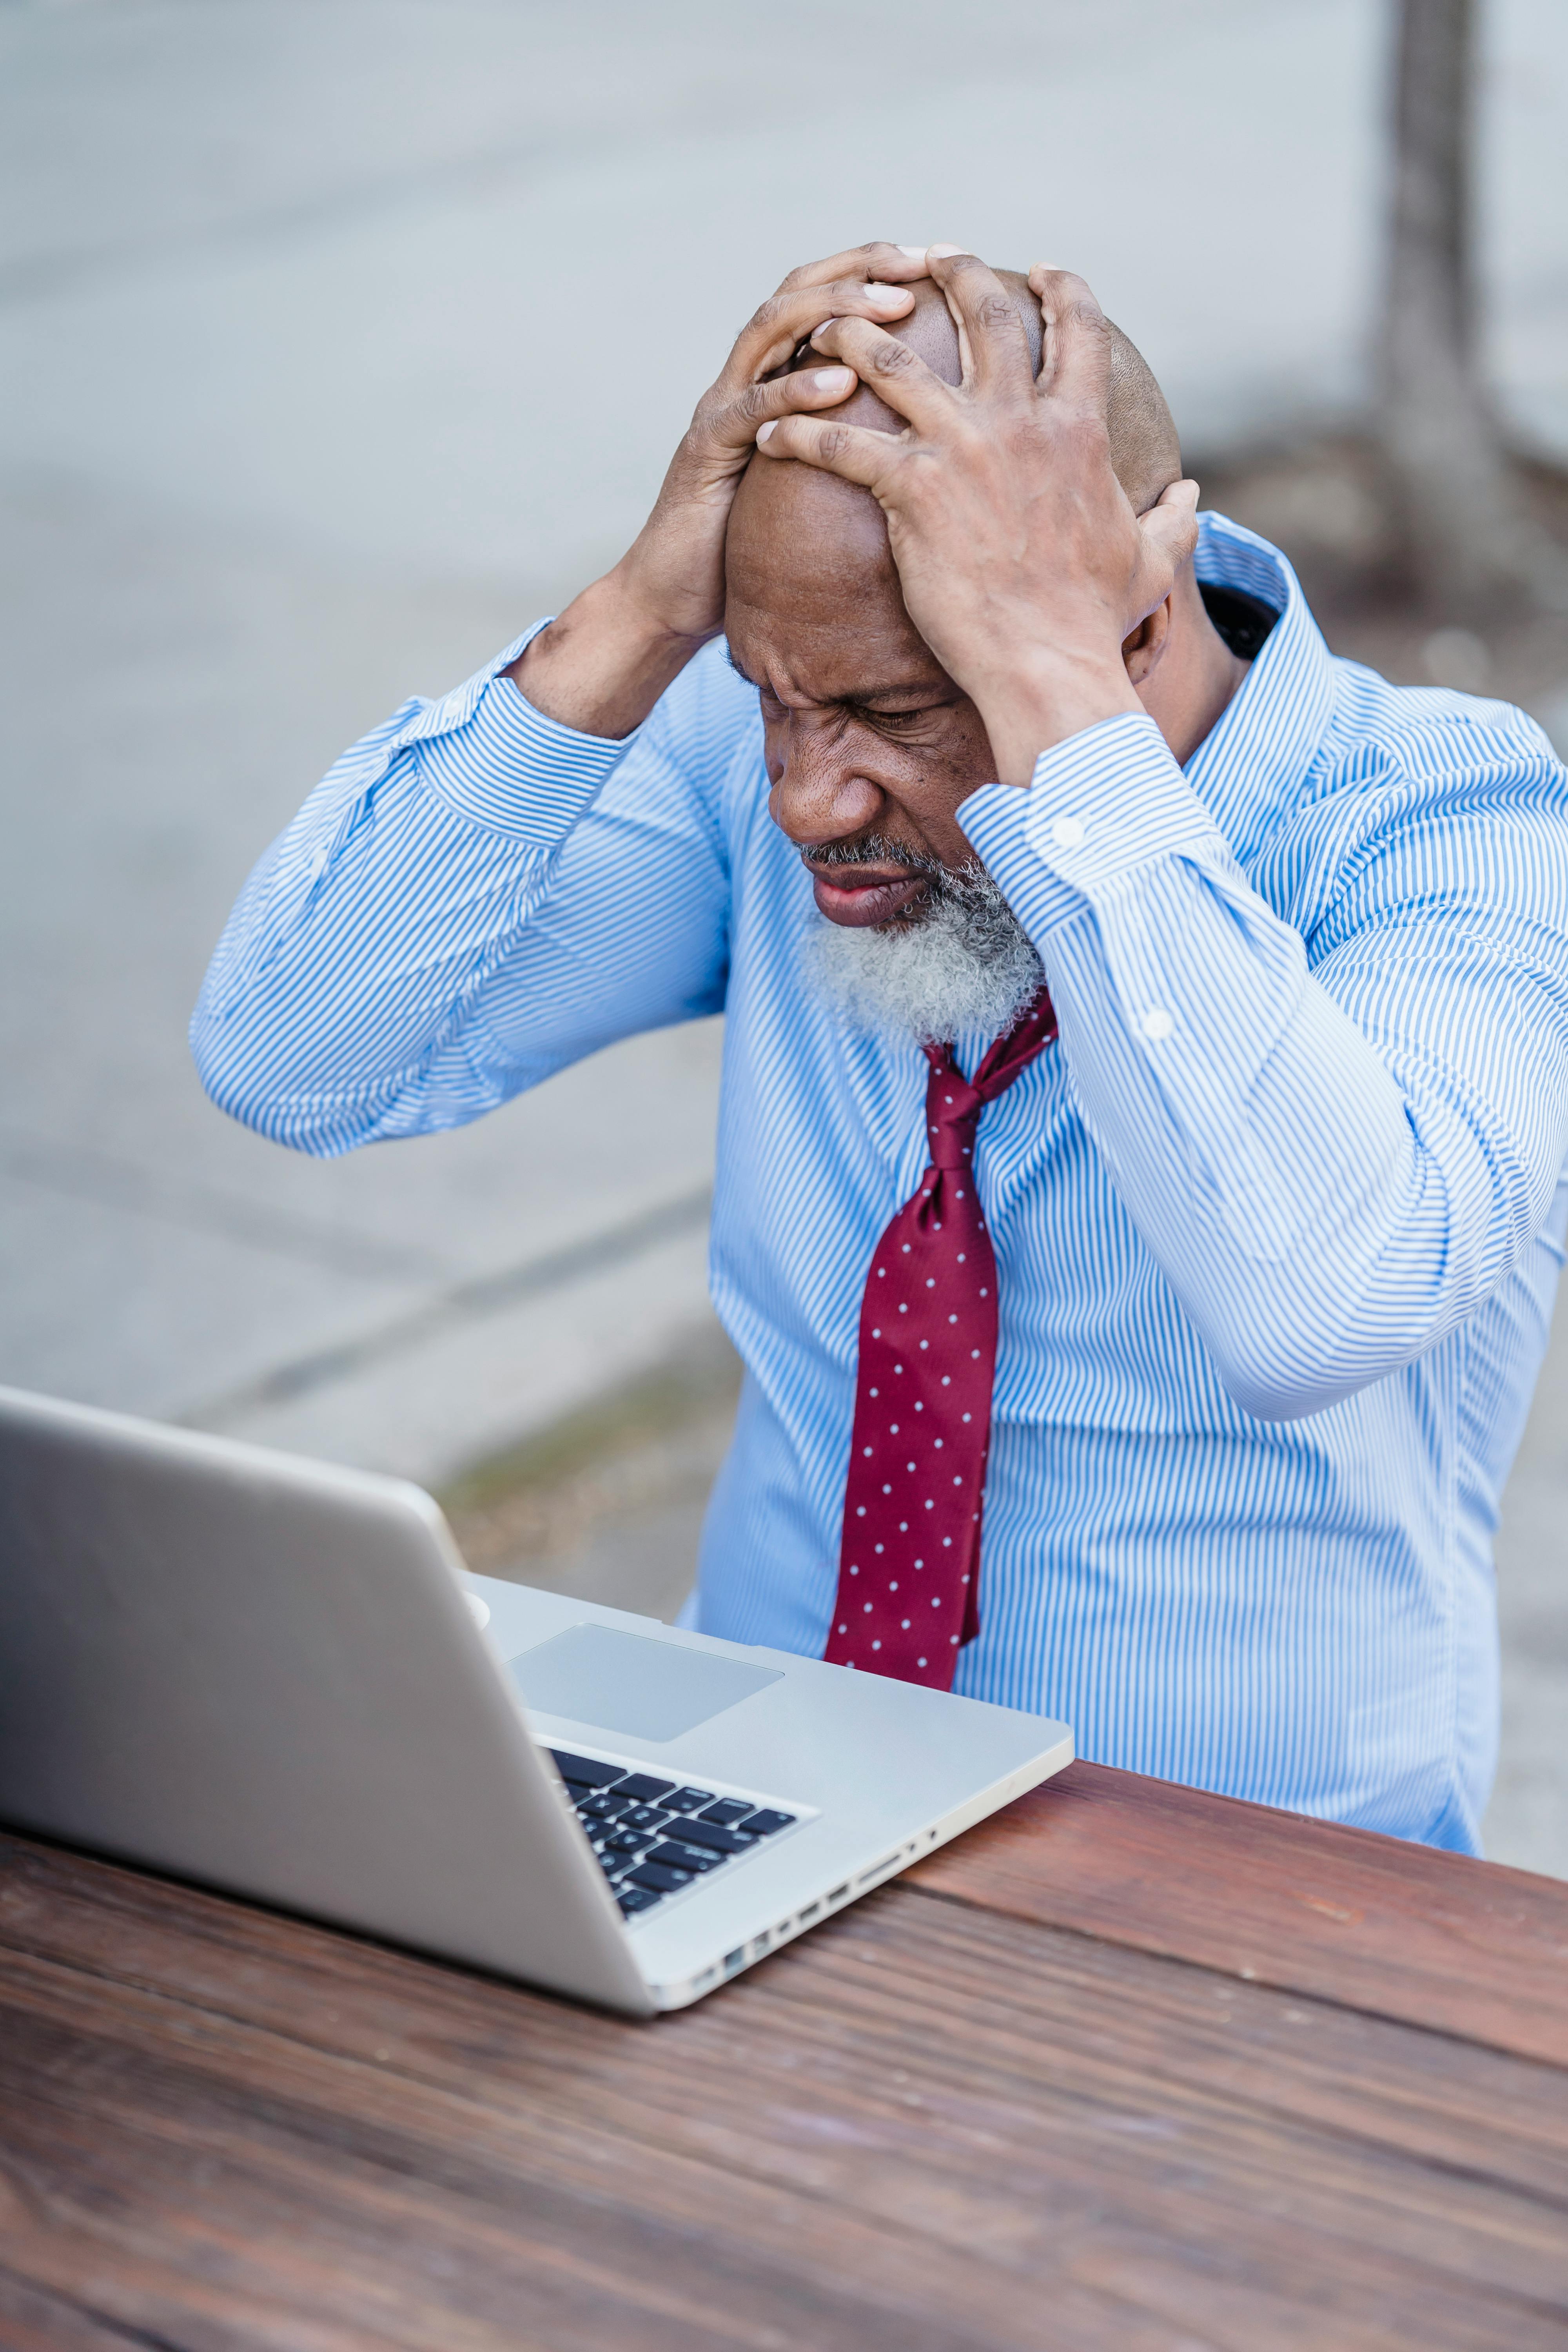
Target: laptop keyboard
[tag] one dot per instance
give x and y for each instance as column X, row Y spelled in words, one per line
column 655, row 1837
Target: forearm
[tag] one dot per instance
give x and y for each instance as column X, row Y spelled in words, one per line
column 603, row 663
column 1326, row 1197
column 338, row 1005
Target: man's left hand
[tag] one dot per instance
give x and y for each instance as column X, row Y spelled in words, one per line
column 1022, row 562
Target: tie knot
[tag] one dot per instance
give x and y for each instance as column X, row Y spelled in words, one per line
column 953, row 1114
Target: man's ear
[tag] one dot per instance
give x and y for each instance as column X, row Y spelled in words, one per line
column 1143, row 650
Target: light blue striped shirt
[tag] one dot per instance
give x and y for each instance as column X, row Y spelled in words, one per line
column 1279, row 1220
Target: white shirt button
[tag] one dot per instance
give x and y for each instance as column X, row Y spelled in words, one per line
column 1066, row 832
column 1157, row 1022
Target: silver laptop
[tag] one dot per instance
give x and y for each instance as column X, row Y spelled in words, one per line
column 277, row 1678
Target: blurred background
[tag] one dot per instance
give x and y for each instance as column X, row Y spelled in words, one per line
column 342, row 339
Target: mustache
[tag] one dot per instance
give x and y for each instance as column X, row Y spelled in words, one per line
column 877, row 850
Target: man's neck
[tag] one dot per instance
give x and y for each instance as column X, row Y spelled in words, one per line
column 1188, row 692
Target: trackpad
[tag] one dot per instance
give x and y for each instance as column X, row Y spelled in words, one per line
column 623, row 1682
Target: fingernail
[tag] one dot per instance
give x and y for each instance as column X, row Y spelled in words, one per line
column 887, row 296
column 942, row 251
column 838, row 379
column 822, row 330
column 766, row 432
column 914, row 252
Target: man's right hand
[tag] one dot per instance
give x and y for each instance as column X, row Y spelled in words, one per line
column 605, row 662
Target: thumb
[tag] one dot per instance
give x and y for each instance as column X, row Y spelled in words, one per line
column 1170, row 527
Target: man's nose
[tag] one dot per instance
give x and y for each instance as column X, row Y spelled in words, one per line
column 819, row 793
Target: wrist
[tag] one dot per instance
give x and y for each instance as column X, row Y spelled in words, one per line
column 602, row 664
column 1037, row 704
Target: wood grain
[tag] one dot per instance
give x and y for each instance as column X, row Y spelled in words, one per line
column 926, row 2126
column 1465, row 1946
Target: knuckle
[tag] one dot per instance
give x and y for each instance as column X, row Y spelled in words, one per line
column 997, row 309
column 889, row 357
column 767, row 315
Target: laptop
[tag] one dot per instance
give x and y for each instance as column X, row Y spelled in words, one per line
column 276, row 1678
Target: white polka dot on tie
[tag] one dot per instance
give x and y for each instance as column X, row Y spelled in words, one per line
column 893, row 1586
column 876, row 1334
column 866, row 1451
column 906, row 1624
column 920, row 1662
column 975, row 1355
column 958, row 1482
column 861, row 1510
column 854, row 1571
column 985, row 1294
column 930, row 1505
column 903, row 1526
column 936, row 1442
column 886, row 1490
column 953, row 1319
column 948, row 1541
column 960, row 1258
column 906, row 1249
column 910, row 1465
column 968, row 1416
column 919, row 1407
column 877, row 1645
column 925, row 1343
column 931, row 1282
column 844, row 1629
column 870, row 1391
column 876, row 1546
column 920, row 1563
column 945, row 1381
column 868, row 1609
column 936, row 1601
column 902, row 1308
column 954, row 1638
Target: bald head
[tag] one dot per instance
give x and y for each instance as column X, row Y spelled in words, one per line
column 790, row 500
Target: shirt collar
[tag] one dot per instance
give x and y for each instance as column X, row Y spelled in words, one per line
column 1268, row 733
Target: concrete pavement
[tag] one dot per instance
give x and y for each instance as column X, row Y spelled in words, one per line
column 339, row 339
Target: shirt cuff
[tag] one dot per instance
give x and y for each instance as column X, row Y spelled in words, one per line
column 1107, row 800
column 488, row 754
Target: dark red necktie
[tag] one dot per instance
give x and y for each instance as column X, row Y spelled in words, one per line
column 909, row 1572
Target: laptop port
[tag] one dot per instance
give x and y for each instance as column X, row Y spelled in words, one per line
column 809, row 1912
column 732, row 1960
column 838, row 1893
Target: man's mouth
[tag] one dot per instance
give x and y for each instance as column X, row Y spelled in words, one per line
column 861, row 896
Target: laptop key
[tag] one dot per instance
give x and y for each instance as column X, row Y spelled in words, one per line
column 685, row 1857
column 582, row 1772
column 661, row 1880
column 642, row 1788
column 643, row 1817
column 689, row 1800
column 708, row 1833
column 767, row 1824
column 603, row 1807
column 633, row 1899
column 621, row 1840
column 727, row 1811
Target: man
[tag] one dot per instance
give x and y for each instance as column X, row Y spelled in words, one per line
column 1155, row 1356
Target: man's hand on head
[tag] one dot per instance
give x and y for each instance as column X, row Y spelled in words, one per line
column 1021, row 560
column 604, row 664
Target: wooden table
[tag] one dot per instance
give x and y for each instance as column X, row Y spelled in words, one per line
column 1130, row 2067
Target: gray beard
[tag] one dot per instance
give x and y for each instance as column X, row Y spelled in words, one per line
column 963, row 962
